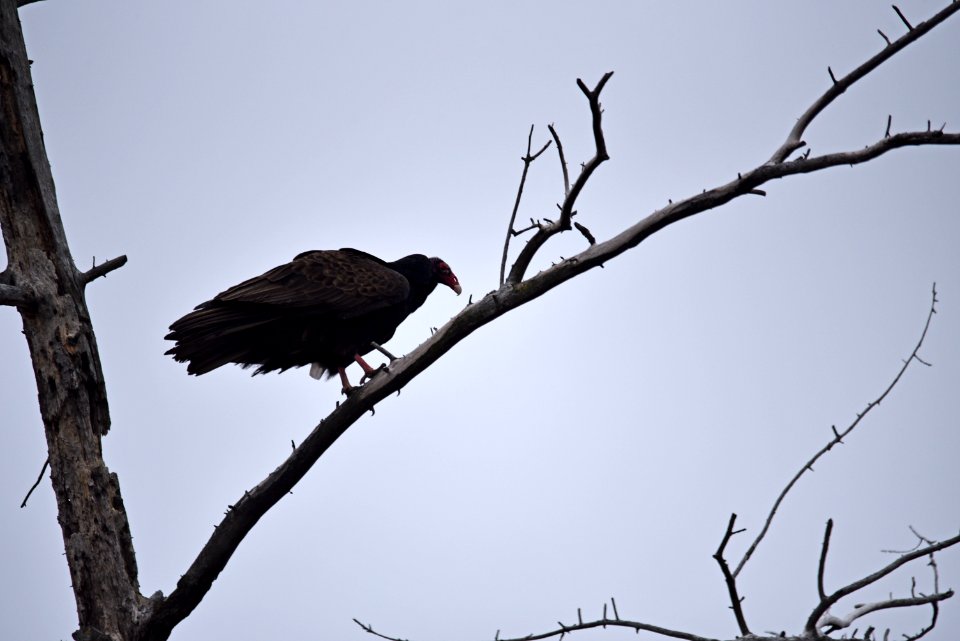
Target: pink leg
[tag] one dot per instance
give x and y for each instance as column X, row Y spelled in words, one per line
column 347, row 387
column 366, row 366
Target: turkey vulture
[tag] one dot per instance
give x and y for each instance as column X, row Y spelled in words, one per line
column 325, row 308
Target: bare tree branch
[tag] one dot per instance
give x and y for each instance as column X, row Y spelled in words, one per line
column 563, row 160
column 820, row 617
column 566, row 209
column 838, row 437
column 102, row 269
column 794, row 139
column 254, row 504
column 527, row 160
column 933, row 623
column 823, row 558
column 46, row 463
column 14, row 296
column 921, row 540
column 736, row 601
column 903, row 18
column 567, row 629
column 834, row 623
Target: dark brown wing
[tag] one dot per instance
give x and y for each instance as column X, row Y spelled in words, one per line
column 343, row 283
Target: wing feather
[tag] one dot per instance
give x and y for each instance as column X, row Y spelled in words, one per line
column 344, row 283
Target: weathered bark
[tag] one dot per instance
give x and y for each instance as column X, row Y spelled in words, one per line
column 43, row 282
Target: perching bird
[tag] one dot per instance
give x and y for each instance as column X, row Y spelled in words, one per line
column 325, row 308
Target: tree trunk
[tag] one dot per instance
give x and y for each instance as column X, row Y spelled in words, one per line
column 43, row 282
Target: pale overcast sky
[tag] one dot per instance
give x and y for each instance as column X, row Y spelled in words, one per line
column 592, row 444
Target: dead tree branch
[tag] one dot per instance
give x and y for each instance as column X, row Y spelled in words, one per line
column 566, row 208
column 527, row 160
column 823, row 558
column 41, row 278
column 838, row 438
column 14, row 296
column 736, row 601
column 820, row 617
column 43, row 469
column 794, row 139
column 102, row 269
column 564, row 630
column 253, row 504
column 563, row 160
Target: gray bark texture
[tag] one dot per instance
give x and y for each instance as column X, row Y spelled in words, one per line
column 45, row 285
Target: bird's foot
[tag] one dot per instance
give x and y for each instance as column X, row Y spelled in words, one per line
column 373, row 372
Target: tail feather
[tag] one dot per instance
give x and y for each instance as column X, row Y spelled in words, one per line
column 210, row 337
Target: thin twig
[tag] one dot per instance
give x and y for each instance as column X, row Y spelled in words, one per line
column 533, row 225
column 794, row 139
column 566, row 209
column 527, row 159
column 903, row 17
column 563, row 160
column 921, row 540
column 933, row 623
column 368, row 628
column 34, row 486
column 736, row 603
column 823, row 558
column 383, row 350
column 586, row 233
column 838, row 436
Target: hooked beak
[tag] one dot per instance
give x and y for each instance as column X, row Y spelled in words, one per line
column 451, row 281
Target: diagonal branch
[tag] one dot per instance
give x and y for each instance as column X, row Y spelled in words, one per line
column 794, row 139
column 255, row 503
column 838, row 439
column 241, row 518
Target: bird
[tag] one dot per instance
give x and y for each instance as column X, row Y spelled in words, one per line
column 325, row 308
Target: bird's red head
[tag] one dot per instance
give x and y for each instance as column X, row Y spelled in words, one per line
column 445, row 275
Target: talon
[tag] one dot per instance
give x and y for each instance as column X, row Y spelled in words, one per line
column 373, row 372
